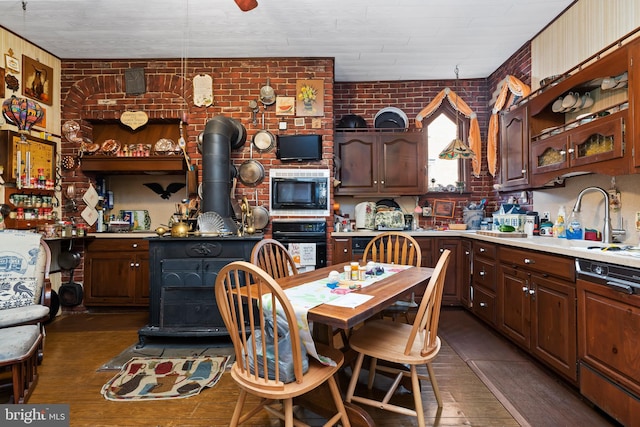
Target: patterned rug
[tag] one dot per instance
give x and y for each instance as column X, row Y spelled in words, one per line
column 148, row 378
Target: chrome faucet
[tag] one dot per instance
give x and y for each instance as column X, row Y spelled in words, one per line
column 607, row 235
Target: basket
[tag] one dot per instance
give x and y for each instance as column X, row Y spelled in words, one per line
column 453, row 226
column 514, row 220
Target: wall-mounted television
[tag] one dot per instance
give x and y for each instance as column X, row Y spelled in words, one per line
column 299, row 148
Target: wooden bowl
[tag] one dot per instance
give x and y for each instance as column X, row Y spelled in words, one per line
column 457, row 226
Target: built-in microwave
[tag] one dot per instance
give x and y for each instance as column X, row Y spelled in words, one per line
column 303, row 192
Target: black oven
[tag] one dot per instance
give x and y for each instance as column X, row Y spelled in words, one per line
column 307, row 231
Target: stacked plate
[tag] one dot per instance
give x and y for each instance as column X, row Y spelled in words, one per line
column 572, row 102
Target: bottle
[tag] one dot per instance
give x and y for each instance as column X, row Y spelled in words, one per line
column 559, row 227
column 574, row 227
column 355, row 271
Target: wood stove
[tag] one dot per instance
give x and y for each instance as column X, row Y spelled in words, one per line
column 182, row 274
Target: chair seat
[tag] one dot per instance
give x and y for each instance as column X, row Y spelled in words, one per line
column 317, row 373
column 28, row 314
column 17, row 342
column 384, row 339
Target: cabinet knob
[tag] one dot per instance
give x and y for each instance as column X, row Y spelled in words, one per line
column 482, row 250
column 375, row 182
column 571, row 150
column 131, row 265
column 441, row 250
column 525, row 289
column 524, row 171
column 345, row 250
column 529, row 261
column 483, row 304
column 466, row 252
column 532, row 291
column 563, row 152
column 482, row 273
column 382, row 182
column 137, row 264
column 135, row 245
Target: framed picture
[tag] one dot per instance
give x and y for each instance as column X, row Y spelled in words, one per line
column 310, row 98
column 285, row 106
column 2, row 85
column 11, row 63
column 444, row 208
column 37, row 80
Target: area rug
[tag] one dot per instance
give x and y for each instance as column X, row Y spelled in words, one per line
column 148, row 378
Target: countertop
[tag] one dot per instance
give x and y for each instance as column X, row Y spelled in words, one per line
column 570, row 248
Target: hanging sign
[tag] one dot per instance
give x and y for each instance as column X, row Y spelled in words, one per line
column 202, row 90
column 134, row 119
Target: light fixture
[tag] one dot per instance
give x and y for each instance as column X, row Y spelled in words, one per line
column 457, row 148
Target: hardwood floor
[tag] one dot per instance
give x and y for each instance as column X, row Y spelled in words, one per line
column 78, row 344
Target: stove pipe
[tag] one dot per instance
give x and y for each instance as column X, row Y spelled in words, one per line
column 217, row 137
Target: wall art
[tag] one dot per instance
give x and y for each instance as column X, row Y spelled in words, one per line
column 310, row 98
column 444, row 208
column 285, row 106
column 37, row 80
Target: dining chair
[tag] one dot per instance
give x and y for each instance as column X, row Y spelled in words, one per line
column 274, row 258
column 405, row 346
column 263, row 338
column 394, row 247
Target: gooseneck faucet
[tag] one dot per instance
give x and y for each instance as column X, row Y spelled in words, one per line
column 607, row 235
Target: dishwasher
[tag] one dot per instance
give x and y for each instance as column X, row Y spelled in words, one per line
column 609, row 337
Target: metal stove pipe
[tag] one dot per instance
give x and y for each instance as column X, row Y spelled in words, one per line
column 216, row 156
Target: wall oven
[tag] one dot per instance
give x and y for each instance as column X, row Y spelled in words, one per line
column 299, row 192
column 309, row 234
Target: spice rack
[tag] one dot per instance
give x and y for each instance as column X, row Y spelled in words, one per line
column 30, row 207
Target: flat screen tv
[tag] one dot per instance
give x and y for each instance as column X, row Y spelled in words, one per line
column 299, row 148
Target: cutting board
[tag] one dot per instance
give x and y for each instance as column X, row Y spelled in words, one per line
column 501, row 233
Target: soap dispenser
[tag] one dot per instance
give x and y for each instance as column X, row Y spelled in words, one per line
column 559, row 227
column 574, row 227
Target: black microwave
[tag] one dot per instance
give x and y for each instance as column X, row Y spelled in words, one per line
column 308, row 193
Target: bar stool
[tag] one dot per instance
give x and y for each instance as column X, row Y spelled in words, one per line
column 20, row 352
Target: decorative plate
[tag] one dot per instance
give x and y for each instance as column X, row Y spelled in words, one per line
column 164, row 146
column 110, row 147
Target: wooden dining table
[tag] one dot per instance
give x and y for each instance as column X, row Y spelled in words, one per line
column 327, row 317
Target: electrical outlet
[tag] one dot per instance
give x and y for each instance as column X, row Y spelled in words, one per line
column 546, row 214
column 426, row 211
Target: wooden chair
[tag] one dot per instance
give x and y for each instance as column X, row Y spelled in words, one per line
column 274, row 258
column 402, row 344
column 239, row 289
column 394, row 247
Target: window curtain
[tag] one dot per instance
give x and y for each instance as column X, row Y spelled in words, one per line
column 516, row 87
column 459, row 105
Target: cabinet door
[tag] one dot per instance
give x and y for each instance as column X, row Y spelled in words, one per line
column 465, row 273
column 451, row 292
column 514, row 147
column 108, row 278
column 341, row 250
column 553, row 324
column 142, row 278
column 359, row 158
column 549, row 155
column 403, row 163
column 598, row 141
column 514, row 305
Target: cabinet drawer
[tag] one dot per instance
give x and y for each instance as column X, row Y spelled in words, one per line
column 484, row 273
column 483, row 249
column 484, row 305
column 118, row 245
column 547, row 264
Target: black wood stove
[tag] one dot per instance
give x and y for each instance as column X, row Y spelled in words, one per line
column 182, row 273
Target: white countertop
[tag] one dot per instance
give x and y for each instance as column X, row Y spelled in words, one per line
column 570, row 248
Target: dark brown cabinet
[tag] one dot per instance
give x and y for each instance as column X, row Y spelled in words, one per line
column 465, row 272
column 381, row 163
column 537, row 306
column 341, row 250
column 484, row 302
column 116, row 272
column 514, row 147
column 454, row 277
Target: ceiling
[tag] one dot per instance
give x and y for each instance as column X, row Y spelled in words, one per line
column 371, row 40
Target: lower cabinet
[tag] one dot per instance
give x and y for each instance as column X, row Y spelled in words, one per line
column 116, row 272
column 536, row 310
column 453, row 279
column 483, row 282
column 341, row 250
column 465, row 272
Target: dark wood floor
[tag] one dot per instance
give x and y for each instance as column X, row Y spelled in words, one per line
column 78, row 344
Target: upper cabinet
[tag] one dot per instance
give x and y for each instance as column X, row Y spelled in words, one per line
column 381, row 162
column 137, row 152
column 585, row 121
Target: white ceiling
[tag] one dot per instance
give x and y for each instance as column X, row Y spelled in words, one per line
column 371, row 40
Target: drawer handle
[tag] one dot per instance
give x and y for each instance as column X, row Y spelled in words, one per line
column 482, row 250
column 482, row 273
column 135, row 245
column 441, row 250
column 529, row 261
column 466, row 252
column 483, row 304
column 344, row 250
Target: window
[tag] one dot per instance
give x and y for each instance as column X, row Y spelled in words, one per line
column 443, row 175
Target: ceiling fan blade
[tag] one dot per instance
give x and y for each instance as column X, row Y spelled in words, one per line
column 246, row 5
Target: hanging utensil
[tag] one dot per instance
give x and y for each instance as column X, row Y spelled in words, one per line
column 237, row 210
column 251, row 172
column 260, row 215
column 183, row 145
column 267, row 94
column 254, row 110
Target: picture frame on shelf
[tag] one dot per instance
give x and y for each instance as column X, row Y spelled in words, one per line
column 37, row 80
column 444, row 208
column 310, row 98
